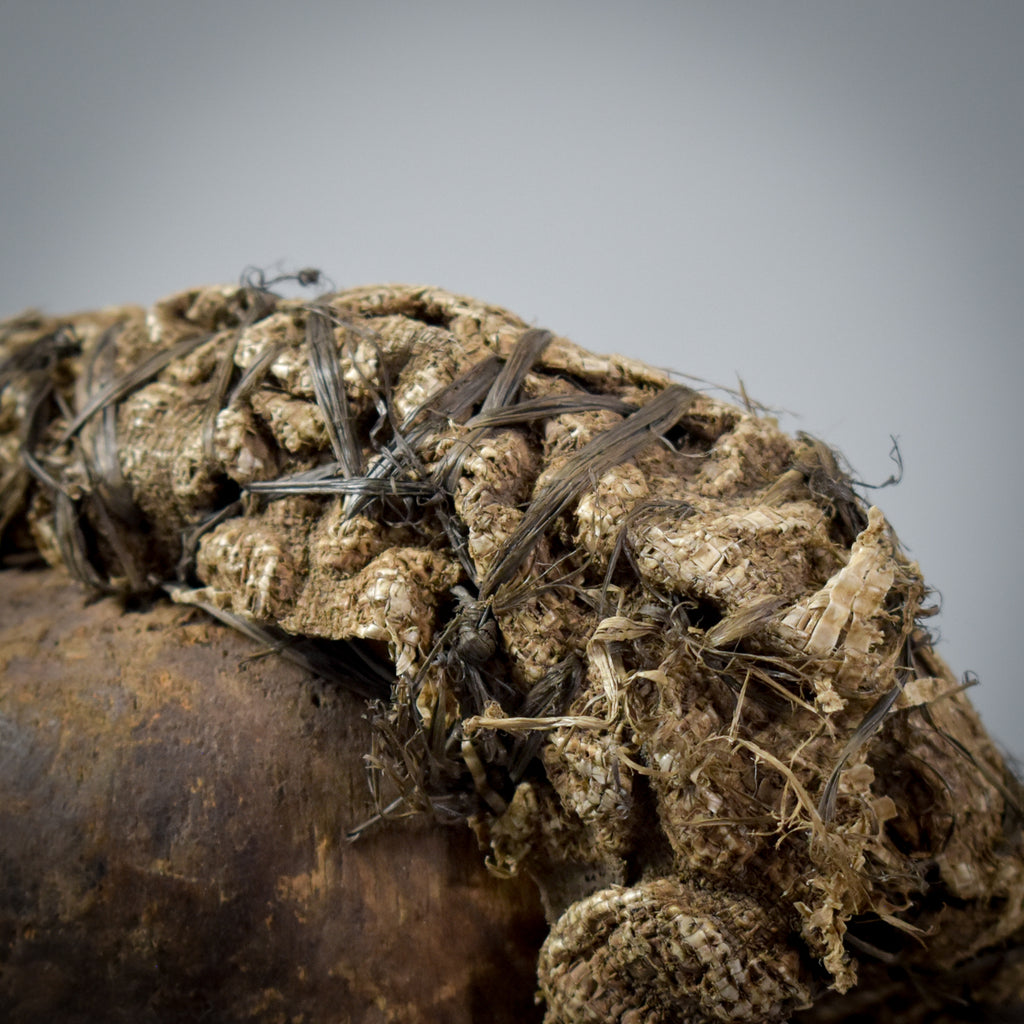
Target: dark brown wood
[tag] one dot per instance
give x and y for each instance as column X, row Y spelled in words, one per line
column 172, row 821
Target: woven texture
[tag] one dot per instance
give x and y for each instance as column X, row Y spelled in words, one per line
column 657, row 653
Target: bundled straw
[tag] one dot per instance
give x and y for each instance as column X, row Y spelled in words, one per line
column 657, row 653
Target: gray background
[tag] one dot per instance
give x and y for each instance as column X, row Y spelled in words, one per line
column 821, row 198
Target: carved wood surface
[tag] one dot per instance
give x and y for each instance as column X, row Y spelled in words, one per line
column 172, row 822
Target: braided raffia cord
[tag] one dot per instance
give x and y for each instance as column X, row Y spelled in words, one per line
column 656, row 652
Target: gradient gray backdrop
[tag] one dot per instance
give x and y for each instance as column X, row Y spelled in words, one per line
column 822, row 198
